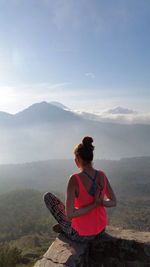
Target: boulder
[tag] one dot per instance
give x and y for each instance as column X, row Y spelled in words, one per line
column 109, row 251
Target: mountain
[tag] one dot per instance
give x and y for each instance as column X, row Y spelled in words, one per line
column 45, row 131
column 39, row 113
column 5, row 118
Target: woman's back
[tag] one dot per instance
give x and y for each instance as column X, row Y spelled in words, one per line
column 87, row 182
column 94, row 221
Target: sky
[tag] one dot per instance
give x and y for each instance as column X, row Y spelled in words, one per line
column 90, row 55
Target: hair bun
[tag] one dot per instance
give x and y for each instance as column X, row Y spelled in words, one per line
column 87, row 142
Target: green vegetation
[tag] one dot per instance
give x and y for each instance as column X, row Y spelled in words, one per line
column 26, row 224
column 23, row 212
column 24, row 251
column 131, row 216
column 9, row 256
column 33, row 246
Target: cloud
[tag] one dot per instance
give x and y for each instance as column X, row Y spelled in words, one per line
column 143, row 118
column 90, row 74
column 130, row 117
column 127, row 118
column 120, row 110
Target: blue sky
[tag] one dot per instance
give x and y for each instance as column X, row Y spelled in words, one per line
column 90, row 55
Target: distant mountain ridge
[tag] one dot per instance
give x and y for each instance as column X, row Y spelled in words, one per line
column 40, row 175
column 37, row 113
column 46, row 131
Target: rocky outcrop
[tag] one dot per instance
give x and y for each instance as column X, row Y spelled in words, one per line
column 107, row 252
column 63, row 252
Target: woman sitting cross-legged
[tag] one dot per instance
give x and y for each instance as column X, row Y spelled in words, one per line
column 83, row 218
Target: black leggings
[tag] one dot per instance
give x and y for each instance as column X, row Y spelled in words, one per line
column 57, row 209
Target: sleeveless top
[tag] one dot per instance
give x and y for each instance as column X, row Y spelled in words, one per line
column 93, row 222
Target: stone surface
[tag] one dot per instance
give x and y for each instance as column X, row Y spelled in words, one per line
column 63, row 252
column 129, row 234
column 110, row 251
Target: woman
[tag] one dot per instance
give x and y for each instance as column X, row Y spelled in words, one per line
column 83, row 218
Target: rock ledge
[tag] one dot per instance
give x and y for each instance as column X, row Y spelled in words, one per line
column 108, row 252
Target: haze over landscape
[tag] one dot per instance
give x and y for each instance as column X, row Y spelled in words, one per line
column 48, row 131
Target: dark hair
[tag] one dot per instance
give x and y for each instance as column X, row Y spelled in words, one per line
column 85, row 149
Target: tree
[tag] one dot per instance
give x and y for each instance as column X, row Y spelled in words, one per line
column 9, row 256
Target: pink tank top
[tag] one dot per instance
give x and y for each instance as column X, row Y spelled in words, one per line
column 94, row 221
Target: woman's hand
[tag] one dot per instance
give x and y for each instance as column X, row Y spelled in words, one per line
column 98, row 196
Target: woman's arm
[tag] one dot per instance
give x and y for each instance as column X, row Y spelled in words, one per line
column 71, row 211
column 111, row 198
